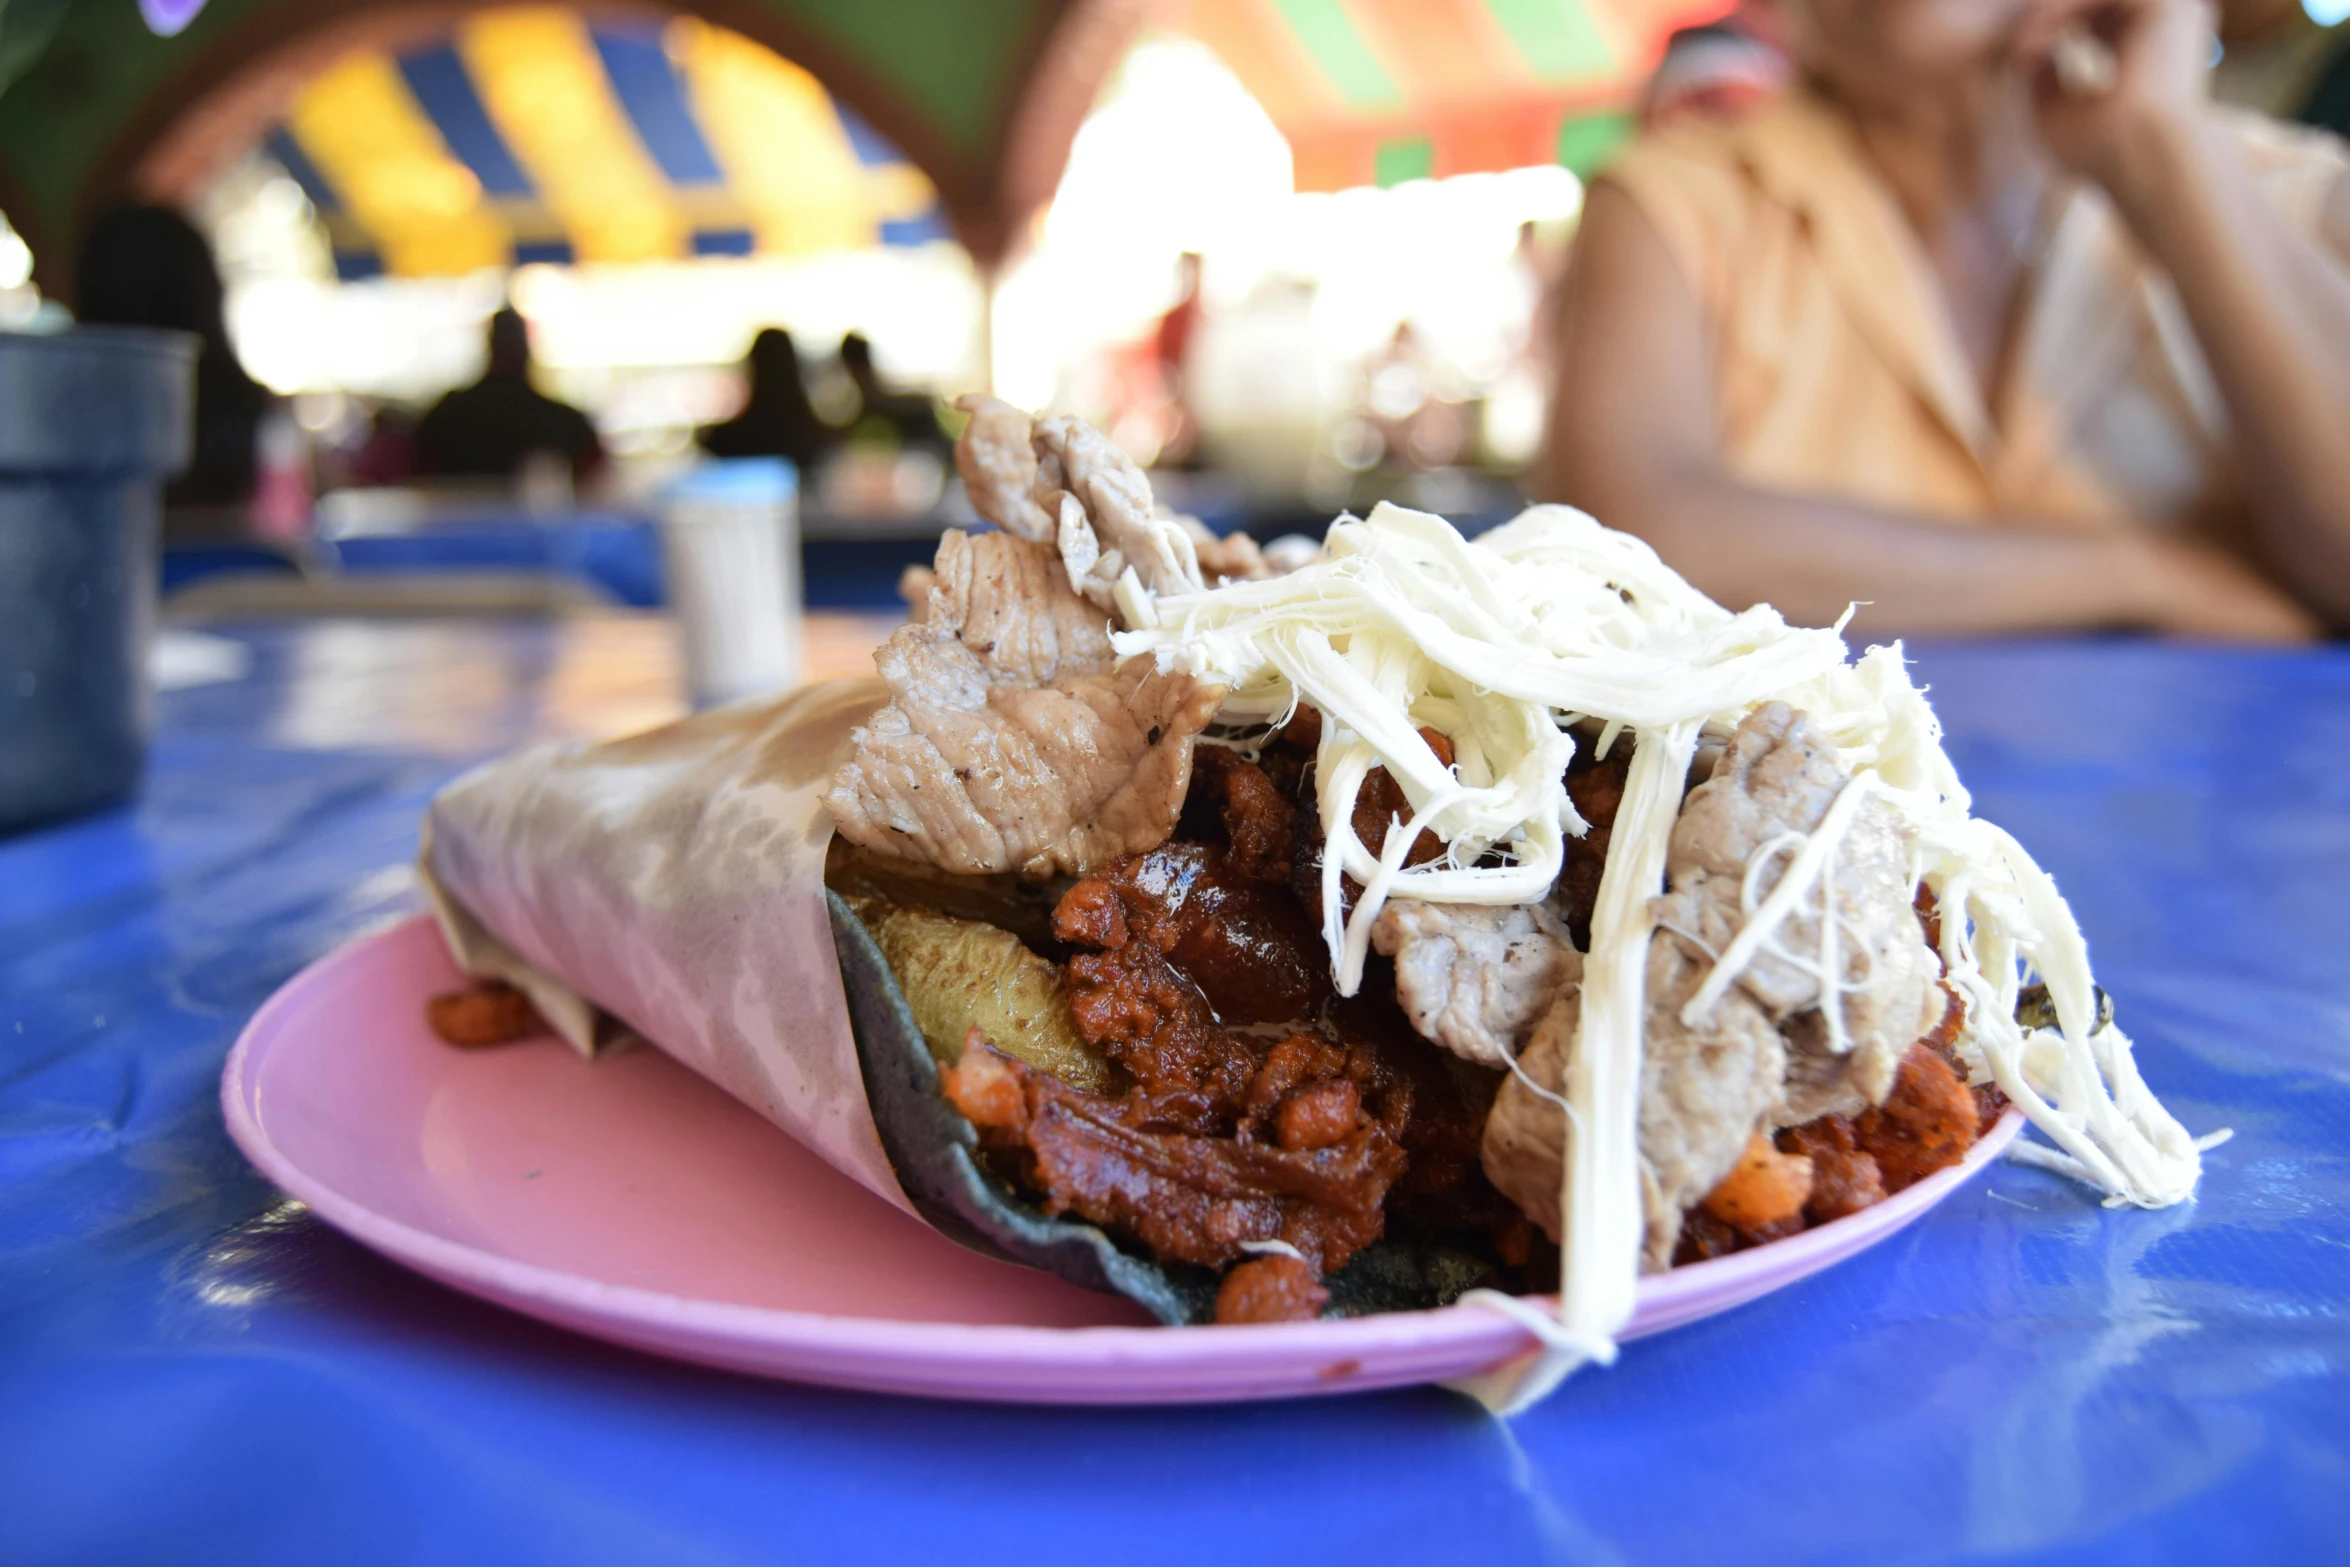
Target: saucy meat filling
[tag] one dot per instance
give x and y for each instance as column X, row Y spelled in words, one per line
column 1260, row 1107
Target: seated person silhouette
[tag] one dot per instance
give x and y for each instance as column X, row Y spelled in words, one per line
column 149, row 266
column 885, row 418
column 777, row 420
column 486, row 430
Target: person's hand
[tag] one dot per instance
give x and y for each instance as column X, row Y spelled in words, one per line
column 2188, row 588
column 2161, row 57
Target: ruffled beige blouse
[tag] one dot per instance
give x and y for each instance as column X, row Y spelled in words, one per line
column 1837, row 370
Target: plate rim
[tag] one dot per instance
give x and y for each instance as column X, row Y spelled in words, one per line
column 502, row 1279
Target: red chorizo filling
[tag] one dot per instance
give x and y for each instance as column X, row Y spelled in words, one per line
column 1262, row 1108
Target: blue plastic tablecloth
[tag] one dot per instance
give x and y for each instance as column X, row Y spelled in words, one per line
column 619, row 556
column 191, row 1370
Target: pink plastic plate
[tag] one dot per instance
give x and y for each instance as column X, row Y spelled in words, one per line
column 631, row 1200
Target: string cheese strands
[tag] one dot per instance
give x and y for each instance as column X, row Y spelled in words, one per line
column 1601, row 1231
column 1504, row 644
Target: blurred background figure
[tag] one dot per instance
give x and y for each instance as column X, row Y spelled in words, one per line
column 777, row 419
column 493, row 427
column 149, row 266
column 1171, row 346
column 386, row 453
column 1413, row 426
column 898, row 421
column 1881, row 341
column 2282, row 61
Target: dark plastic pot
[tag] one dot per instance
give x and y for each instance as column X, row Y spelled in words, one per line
column 92, row 422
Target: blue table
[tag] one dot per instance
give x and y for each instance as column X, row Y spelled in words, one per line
column 191, row 1369
column 619, row 556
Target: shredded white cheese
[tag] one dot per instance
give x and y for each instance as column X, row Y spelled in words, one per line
column 1504, row 644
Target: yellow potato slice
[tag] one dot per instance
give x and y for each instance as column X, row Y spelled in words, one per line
column 960, row 973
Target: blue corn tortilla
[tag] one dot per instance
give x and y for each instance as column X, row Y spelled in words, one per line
column 935, row 1152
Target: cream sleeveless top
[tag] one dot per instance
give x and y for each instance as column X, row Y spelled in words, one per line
column 1837, row 371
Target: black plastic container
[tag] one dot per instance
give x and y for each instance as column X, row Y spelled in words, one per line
column 92, row 422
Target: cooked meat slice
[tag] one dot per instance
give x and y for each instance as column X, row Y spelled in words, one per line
column 1473, row 979
column 1270, row 1289
column 1246, row 945
column 1062, row 482
column 1114, row 524
column 1704, row 1091
column 1708, row 1088
column 996, row 457
column 1700, row 1092
column 1041, row 782
column 1234, row 557
column 1525, row 1143
column 1191, row 1198
column 1239, row 799
column 1011, row 743
column 1135, row 1007
column 1777, row 778
column 1774, row 783
column 1002, row 600
column 914, row 585
column 1703, row 1094
column 1896, row 992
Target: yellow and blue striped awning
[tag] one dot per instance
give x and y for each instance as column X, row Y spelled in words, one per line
column 533, row 134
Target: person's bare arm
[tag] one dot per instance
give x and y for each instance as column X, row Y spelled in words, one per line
column 1633, row 441
column 2270, row 307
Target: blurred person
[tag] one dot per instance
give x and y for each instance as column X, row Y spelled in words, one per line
column 1933, row 335
column 1415, row 428
column 1171, row 347
column 493, row 428
column 777, row 420
column 149, row 266
column 387, row 453
column 903, row 420
column 2282, row 61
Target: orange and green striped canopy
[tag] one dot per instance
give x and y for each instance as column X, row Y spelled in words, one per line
column 1381, row 91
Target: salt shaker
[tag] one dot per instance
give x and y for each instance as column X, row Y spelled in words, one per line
column 730, row 546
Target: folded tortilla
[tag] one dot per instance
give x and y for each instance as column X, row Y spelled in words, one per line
column 671, row 886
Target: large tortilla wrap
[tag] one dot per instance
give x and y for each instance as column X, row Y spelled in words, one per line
column 671, row 885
